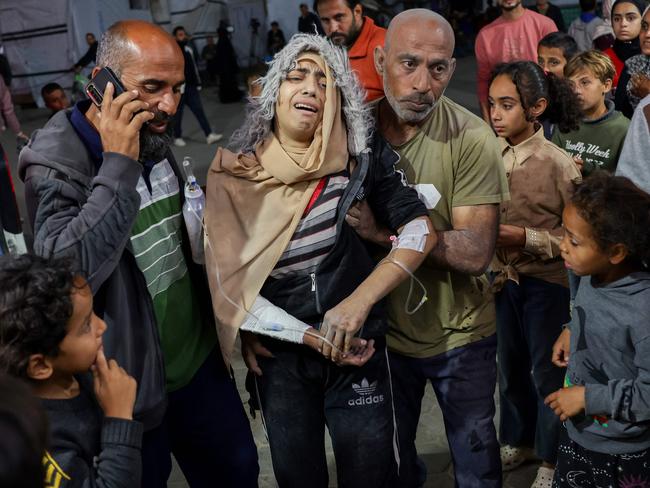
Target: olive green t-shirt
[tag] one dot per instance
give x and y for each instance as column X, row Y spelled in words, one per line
column 453, row 161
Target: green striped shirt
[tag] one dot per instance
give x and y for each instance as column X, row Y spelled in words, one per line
column 156, row 242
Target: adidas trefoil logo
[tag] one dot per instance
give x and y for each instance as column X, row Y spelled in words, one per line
column 365, row 388
column 365, row 391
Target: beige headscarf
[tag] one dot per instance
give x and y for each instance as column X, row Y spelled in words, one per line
column 254, row 204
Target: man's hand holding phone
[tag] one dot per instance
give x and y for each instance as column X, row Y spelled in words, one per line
column 121, row 120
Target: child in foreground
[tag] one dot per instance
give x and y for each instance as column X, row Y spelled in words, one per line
column 529, row 280
column 606, row 399
column 50, row 337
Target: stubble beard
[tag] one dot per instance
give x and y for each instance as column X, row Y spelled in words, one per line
column 348, row 40
column 404, row 115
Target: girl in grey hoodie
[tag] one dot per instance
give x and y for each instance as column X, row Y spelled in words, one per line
column 605, row 402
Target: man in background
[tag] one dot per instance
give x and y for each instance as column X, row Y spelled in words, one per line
column 191, row 96
column 553, row 12
column 308, row 22
column 346, row 26
column 275, row 39
column 90, row 55
column 209, row 55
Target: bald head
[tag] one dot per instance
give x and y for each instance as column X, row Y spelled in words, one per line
column 148, row 61
column 416, row 63
column 128, row 40
column 419, row 22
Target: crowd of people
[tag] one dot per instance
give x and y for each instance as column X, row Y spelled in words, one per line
column 363, row 235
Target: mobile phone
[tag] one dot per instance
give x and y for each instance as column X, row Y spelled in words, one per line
column 96, row 86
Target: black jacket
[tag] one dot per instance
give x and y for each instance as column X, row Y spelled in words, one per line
column 307, row 24
column 89, row 57
column 308, row 296
column 191, row 70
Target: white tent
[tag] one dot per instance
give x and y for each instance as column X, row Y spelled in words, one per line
column 43, row 39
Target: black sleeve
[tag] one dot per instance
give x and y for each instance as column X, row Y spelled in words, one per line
column 392, row 201
column 119, row 463
column 89, row 57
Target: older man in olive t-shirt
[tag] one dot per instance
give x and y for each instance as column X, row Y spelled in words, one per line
column 452, row 158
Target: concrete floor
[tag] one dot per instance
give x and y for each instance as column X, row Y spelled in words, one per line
column 431, row 440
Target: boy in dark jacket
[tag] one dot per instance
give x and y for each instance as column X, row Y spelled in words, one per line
column 50, row 336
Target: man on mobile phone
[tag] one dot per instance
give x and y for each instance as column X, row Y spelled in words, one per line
column 102, row 187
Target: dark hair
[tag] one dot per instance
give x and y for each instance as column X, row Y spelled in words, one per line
column 274, row 23
column 587, row 5
column 350, row 3
column 178, row 28
column 303, row 5
column 617, row 211
column 532, row 84
column 562, row 41
column 35, row 306
column 49, row 88
column 90, row 34
column 639, row 4
column 23, row 435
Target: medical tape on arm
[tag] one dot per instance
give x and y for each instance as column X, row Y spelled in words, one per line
column 413, row 236
column 270, row 320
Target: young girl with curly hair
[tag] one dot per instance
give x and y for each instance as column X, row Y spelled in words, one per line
column 605, row 404
column 530, row 282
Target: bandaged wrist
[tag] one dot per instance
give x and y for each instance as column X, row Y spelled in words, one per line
column 413, row 236
column 267, row 319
